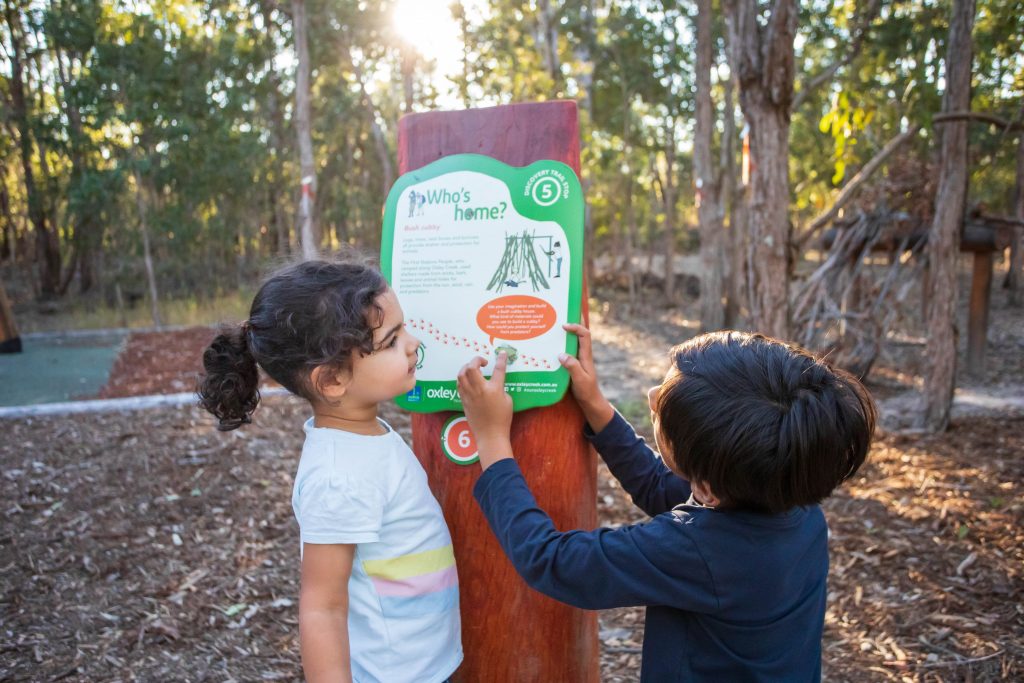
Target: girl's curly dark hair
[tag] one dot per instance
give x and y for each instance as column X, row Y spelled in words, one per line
column 307, row 315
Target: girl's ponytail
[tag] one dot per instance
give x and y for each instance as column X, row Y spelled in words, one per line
column 230, row 387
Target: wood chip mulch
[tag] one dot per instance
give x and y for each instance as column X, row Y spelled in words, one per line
column 158, row 363
column 146, row 546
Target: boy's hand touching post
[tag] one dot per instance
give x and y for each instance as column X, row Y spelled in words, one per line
column 488, row 409
column 596, row 409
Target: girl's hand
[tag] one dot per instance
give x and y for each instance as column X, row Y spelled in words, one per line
column 596, row 408
column 488, row 409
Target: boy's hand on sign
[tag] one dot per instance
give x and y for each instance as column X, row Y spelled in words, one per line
column 596, row 408
column 488, row 408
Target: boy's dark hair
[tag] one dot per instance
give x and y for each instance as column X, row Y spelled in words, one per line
column 306, row 315
column 764, row 424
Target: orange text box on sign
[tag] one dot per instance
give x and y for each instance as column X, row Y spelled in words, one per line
column 515, row 317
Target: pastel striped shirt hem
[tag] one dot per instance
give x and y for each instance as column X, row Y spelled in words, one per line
column 417, row 584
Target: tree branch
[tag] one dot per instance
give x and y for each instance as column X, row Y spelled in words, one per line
column 848, row 191
column 857, row 42
column 999, row 121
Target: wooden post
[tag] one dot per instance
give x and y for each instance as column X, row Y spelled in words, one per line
column 10, row 340
column 510, row 632
column 977, row 323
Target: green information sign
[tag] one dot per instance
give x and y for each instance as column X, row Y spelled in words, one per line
column 485, row 258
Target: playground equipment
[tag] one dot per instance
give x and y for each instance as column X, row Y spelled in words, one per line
column 510, row 632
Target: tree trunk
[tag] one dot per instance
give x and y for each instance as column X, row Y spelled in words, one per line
column 943, row 240
column 712, row 313
column 729, row 197
column 278, row 185
column 47, row 248
column 762, row 58
column 408, row 71
column 10, row 340
column 88, row 229
column 380, row 142
column 8, row 239
column 628, row 244
column 547, row 42
column 583, row 51
column 1014, row 276
column 147, row 254
column 629, row 215
column 669, row 196
column 308, row 232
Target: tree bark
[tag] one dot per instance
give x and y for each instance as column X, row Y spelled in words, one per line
column 408, row 69
column 1014, row 276
column 380, row 142
column 762, row 57
column 548, row 42
column 943, row 240
column 47, row 248
column 10, row 340
column 147, row 253
column 669, row 196
column 583, row 51
column 277, row 185
column 732, row 199
column 712, row 312
column 308, row 232
column 8, row 239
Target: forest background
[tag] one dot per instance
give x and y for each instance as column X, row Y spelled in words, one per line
column 146, row 142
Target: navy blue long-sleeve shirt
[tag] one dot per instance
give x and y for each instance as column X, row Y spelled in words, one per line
column 730, row 595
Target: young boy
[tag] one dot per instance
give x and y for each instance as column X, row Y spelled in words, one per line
column 732, row 565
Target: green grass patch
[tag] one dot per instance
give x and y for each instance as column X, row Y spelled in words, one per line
column 186, row 312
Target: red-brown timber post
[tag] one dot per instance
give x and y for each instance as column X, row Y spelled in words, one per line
column 510, row 632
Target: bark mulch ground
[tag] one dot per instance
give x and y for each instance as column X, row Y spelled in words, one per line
column 148, row 546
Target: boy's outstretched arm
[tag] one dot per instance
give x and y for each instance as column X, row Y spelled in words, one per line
column 646, row 564
column 652, row 485
column 655, row 563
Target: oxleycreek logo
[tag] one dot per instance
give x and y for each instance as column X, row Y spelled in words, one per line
column 445, row 393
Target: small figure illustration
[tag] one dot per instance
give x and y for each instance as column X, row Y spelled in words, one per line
column 413, row 202
column 513, row 283
column 421, row 200
column 556, row 253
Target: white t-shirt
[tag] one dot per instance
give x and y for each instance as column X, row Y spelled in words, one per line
column 403, row 617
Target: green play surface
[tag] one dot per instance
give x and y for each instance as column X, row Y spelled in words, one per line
column 55, row 368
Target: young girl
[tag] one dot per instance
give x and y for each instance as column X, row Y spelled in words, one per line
column 379, row 592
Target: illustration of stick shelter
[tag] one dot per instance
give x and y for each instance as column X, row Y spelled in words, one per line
column 518, row 265
column 510, row 632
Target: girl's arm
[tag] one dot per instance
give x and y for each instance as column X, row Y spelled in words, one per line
column 323, row 612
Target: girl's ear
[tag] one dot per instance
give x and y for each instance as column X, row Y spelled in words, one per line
column 330, row 382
